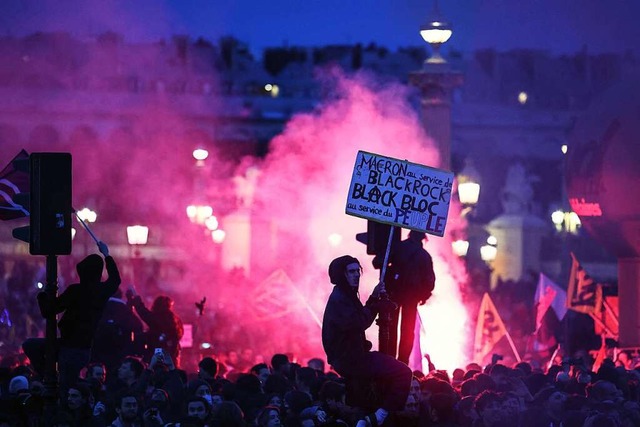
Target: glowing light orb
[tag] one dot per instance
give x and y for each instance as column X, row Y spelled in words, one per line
column 218, row 236
column 200, row 154
column 87, row 215
column 212, row 223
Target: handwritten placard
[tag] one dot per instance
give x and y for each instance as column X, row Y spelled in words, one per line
column 399, row 192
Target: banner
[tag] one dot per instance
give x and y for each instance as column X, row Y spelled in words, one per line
column 400, row 193
column 12, row 182
column 609, row 318
column 549, row 295
column 489, row 329
column 273, row 297
column 584, row 295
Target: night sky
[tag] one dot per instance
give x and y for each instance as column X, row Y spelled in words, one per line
column 559, row 26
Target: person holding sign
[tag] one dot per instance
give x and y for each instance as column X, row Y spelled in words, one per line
column 348, row 351
column 409, row 281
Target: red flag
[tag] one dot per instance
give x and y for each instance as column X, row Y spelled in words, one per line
column 489, row 329
column 583, row 293
column 12, row 182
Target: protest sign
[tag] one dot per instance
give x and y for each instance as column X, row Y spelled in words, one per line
column 399, row 192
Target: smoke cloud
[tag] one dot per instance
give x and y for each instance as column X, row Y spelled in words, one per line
column 284, row 214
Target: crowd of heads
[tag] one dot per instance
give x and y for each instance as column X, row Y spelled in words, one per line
column 283, row 392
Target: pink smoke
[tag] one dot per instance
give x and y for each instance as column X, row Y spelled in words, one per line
column 305, row 179
column 144, row 173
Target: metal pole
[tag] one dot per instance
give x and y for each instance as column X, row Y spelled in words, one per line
column 386, row 308
column 51, row 336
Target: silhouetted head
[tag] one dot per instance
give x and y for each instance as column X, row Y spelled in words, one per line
column 338, row 269
column 418, row 236
column 162, row 303
column 90, row 268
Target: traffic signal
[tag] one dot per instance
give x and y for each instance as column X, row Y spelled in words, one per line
column 49, row 205
column 377, row 236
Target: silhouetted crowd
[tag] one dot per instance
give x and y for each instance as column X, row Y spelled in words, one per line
column 282, row 392
column 135, row 378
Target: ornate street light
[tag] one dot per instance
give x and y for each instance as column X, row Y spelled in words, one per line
column 469, row 184
column 436, row 31
column 469, row 193
column 87, row 215
column 199, row 213
column 460, row 247
column 211, row 223
column 566, row 221
column 200, row 154
column 489, row 251
column 218, row 236
column 137, row 235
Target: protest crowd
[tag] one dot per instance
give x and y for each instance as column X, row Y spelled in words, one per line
column 129, row 385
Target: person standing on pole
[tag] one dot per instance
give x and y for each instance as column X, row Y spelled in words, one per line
column 410, row 280
column 348, row 351
column 82, row 305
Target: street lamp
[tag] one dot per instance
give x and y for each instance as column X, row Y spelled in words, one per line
column 218, row 236
column 212, row 223
column 436, row 32
column 489, row 251
column 468, row 186
column 200, row 154
column 460, row 247
column 199, row 213
column 436, row 82
column 568, row 222
column 137, row 235
column 87, row 215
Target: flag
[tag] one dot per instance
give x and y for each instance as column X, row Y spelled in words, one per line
column 584, row 295
column 551, row 307
column 549, row 295
column 489, row 329
column 12, row 182
column 609, row 318
column 273, row 297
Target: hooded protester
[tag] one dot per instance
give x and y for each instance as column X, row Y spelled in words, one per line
column 348, row 351
column 82, row 305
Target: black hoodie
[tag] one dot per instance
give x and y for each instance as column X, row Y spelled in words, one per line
column 83, row 303
column 345, row 318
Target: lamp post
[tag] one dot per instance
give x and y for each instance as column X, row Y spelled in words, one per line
column 199, row 213
column 436, row 31
column 137, row 236
column 436, row 82
column 489, row 251
column 468, row 186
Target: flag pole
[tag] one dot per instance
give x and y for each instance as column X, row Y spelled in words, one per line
column 513, row 346
column 553, row 356
column 602, row 325
column 86, row 227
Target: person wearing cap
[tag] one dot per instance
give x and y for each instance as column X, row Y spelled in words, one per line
column 410, row 279
column 348, row 351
